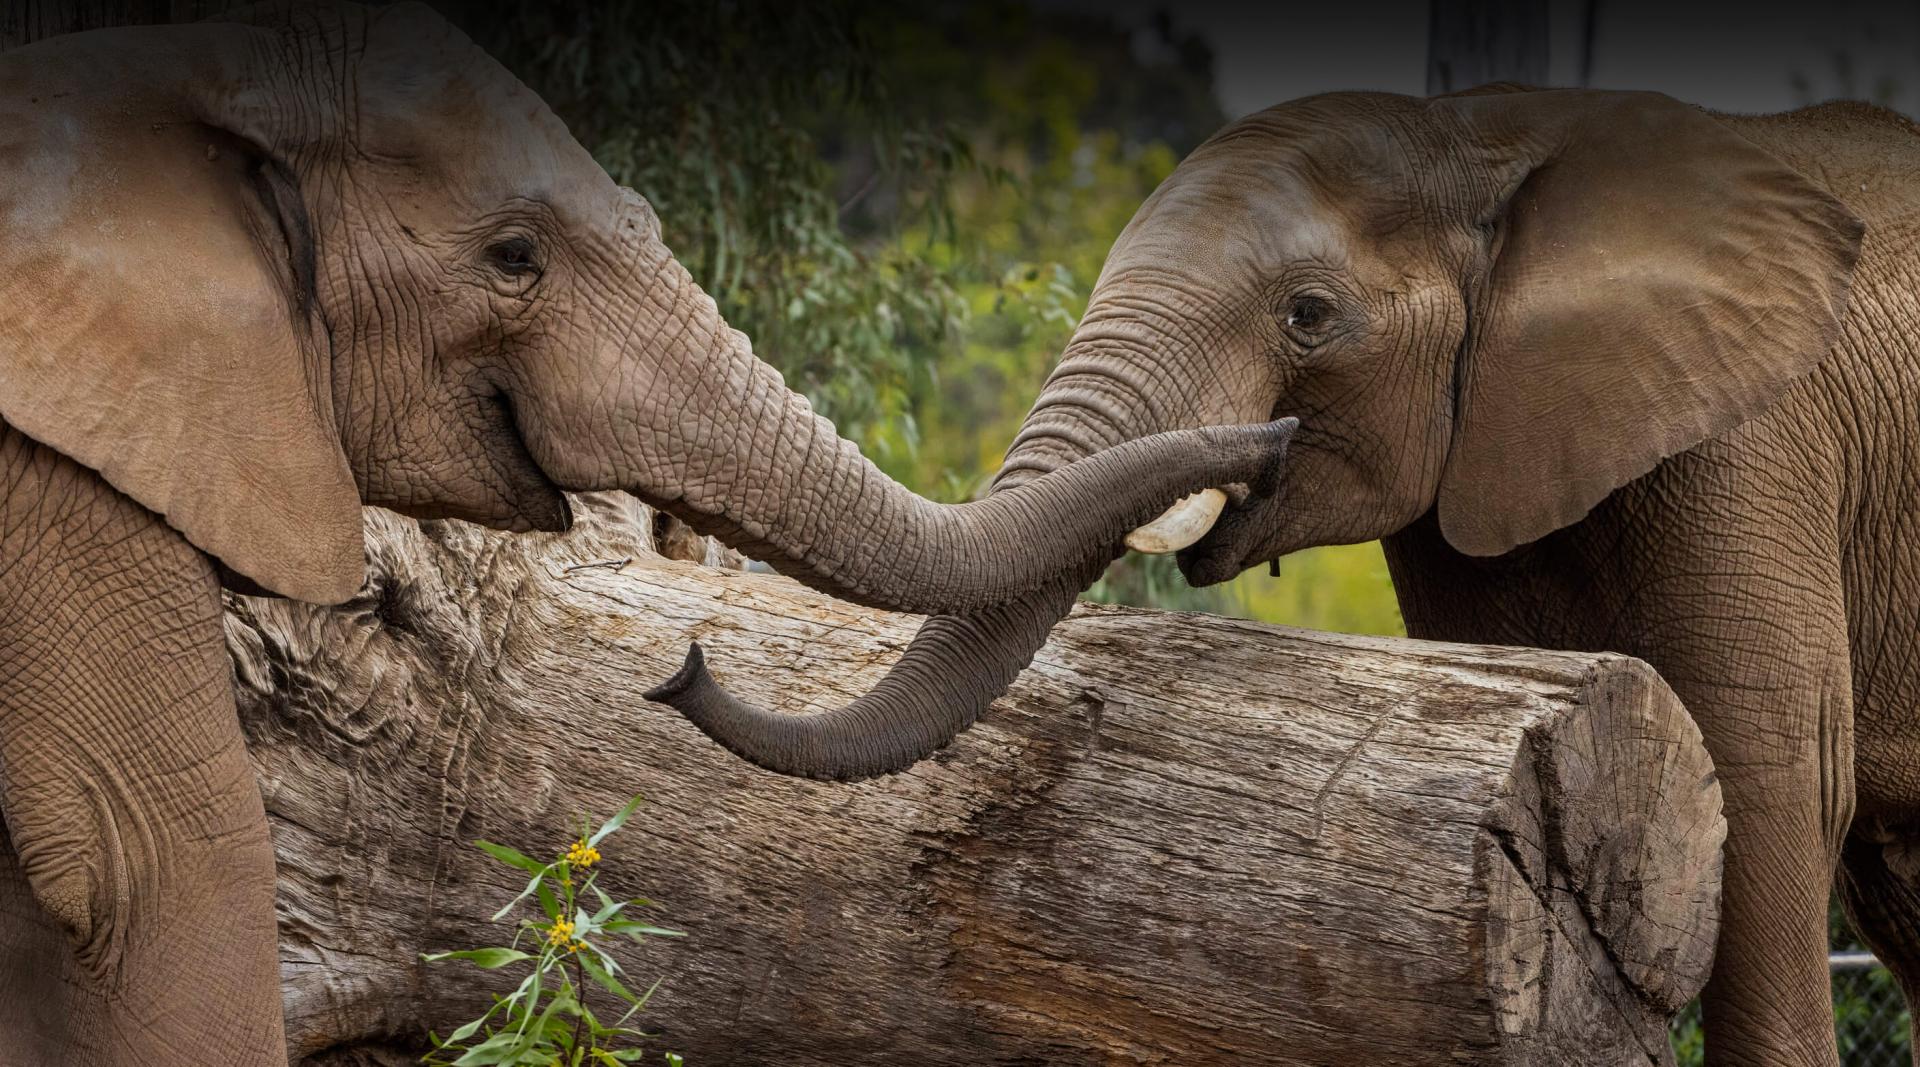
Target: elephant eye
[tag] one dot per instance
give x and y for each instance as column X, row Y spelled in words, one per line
column 513, row 257
column 1307, row 314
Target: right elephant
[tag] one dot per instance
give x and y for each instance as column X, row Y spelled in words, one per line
column 1605, row 371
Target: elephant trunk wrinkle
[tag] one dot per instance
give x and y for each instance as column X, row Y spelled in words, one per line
column 780, row 484
column 954, row 668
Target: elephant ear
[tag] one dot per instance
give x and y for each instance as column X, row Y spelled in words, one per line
column 157, row 320
column 1654, row 279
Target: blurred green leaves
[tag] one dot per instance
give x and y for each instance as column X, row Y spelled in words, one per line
column 905, row 207
column 728, row 117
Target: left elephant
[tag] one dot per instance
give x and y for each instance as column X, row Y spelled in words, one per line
column 263, row 273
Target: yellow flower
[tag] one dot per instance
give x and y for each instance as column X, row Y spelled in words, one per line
column 560, row 933
column 582, row 854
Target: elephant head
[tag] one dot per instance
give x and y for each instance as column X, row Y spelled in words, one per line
column 1500, row 305
column 267, row 272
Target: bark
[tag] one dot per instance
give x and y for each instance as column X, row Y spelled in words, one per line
column 26, row 21
column 1473, row 42
column 1179, row 839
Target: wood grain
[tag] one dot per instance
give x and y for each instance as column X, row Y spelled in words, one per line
column 1180, row 839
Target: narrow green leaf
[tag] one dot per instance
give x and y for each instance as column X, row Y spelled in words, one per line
column 560, row 1001
column 485, row 958
column 531, row 986
column 464, row 1032
column 511, row 857
column 532, row 884
column 608, row 911
column 500, row 1048
column 640, row 1003
column 619, row 819
column 601, row 975
column 608, row 905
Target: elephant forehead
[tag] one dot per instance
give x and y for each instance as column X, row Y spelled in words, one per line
column 447, row 106
column 1214, row 223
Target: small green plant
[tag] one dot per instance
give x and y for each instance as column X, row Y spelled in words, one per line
column 546, row 1020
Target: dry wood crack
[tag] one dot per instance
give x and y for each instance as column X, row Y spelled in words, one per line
column 1179, row 839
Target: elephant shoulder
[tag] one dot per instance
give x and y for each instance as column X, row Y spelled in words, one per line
column 1866, row 156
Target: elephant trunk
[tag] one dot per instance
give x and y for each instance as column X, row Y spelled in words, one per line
column 954, row 668
column 737, row 455
column 956, row 665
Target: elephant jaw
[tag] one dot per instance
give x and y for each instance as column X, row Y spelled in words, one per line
column 1187, row 521
column 1246, row 533
column 1210, row 550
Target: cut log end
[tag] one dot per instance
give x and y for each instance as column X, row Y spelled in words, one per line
column 1603, row 868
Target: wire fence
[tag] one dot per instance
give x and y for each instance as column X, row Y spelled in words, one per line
column 1870, row 1017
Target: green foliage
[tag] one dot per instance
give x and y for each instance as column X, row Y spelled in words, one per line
column 1340, row 587
column 724, row 116
column 905, row 208
column 1689, row 1039
column 1871, row 1020
column 546, row 1020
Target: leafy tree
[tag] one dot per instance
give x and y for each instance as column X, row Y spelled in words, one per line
column 716, row 112
column 905, row 208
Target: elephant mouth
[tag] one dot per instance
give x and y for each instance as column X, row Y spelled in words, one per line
column 1216, row 534
column 515, row 492
column 1228, row 548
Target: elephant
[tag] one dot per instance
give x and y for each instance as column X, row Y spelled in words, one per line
column 315, row 257
column 1605, row 371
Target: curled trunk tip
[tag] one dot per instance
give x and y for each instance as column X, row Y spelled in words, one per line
column 959, row 664
column 691, row 674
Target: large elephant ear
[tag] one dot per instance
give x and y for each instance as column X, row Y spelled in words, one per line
column 1655, row 279
column 157, row 320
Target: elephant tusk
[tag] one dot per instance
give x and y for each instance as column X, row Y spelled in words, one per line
column 1187, row 521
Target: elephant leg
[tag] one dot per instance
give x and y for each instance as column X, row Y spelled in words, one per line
column 1774, row 706
column 136, row 912
column 1880, row 889
column 1760, row 658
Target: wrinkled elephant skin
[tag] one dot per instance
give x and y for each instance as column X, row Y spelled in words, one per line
column 1606, row 372
column 263, row 272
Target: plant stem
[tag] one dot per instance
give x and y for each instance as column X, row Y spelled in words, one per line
column 580, row 998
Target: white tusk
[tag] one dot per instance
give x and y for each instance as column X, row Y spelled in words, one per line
column 1187, row 521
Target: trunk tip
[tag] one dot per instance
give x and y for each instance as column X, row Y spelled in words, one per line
column 689, row 675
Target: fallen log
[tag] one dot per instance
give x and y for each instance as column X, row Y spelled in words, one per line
column 1180, row 839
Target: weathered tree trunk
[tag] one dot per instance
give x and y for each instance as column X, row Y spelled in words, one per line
column 1180, row 839
column 1473, row 42
column 26, row 21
